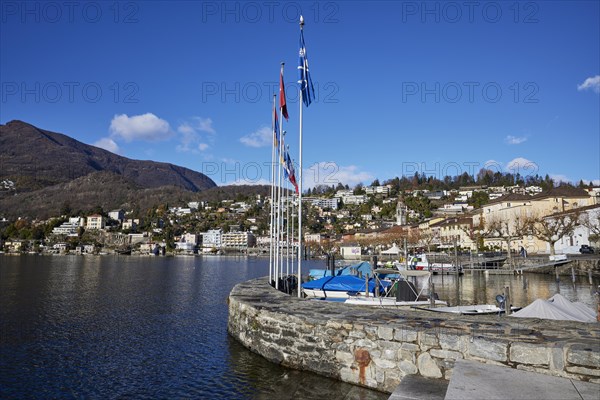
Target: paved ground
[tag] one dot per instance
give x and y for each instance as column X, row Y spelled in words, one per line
column 472, row 380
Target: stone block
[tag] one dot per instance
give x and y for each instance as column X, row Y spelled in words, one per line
column 383, row 363
column 527, row 353
column 427, row 340
column 428, row 367
column 349, row 375
column 557, row 359
column 345, row 358
column 365, row 343
column 585, row 355
column 408, row 368
column 488, row 350
column 385, row 333
column 389, row 354
column 405, row 335
column 584, row 371
column 445, row 354
column 357, row 334
column 450, row 341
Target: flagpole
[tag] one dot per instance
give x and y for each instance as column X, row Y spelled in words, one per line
column 280, row 209
column 287, row 222
column 300, row 187
column 272, row 191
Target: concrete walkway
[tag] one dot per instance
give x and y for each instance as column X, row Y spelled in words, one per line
column 472, row 380
column 476, row 381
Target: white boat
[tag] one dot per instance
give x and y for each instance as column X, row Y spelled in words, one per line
column 340, row 287
column 420, row 262
column 401, row 292
column 477, row 309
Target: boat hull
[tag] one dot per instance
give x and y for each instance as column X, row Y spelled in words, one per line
column 389, row 302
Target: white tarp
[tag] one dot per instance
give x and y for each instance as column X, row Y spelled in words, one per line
column 557, row 307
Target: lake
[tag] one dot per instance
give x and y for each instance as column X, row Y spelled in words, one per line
column 156, row 327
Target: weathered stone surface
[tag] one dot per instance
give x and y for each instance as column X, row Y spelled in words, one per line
column 586, row 355
column 445, row 354
column 527, row 353
column 324, row 338
column 405, row 335
column 385, row 333
column 408, row 368
column 427, row 340
column 487, row 349
column 583, row 371
column 357, row 334
column 452, row 341
column 383, row 363
column 557, row 359
column 427, row 367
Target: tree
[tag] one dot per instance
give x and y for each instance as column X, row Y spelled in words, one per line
column 376, row 182
column 591, row 220
column 552, row 228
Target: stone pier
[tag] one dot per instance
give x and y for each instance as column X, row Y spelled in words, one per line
column 376, row 347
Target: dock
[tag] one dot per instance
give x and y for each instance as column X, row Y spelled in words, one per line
column 473, row 380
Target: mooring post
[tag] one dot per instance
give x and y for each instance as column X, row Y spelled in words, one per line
column 556, row 272
column 507, row 300
column 573, row 274
column 590, row 277
column 366, row 285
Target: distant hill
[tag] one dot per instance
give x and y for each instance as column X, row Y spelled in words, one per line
column 34, row 158
column 50, row 170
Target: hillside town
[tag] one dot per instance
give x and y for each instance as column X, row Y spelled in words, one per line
column 363, row 220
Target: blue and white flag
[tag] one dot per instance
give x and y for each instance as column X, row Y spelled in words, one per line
column 306, row 85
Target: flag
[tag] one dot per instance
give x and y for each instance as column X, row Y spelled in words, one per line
column 292, row 173
column 282, row 104
column 306, row 85
column 275, row 129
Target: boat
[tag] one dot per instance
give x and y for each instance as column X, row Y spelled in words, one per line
column 420, row 262
column 340, row 287
column 476, row 309
column 400, row 292
column 363, row 268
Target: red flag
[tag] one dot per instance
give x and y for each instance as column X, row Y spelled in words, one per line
column 282, row 104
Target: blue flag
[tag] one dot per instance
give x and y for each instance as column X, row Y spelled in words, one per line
column 306, row 85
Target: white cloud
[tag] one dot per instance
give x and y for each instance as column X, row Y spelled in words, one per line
column 522, row 166
column 261, row 138
column 515, row 140
column 147, row 127
column 204, row 124
column 191, row 138
column 592, row 83
column 108, row 144
column 330, row 173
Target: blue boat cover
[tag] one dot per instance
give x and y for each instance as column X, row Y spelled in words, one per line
column 364, row 268
column 344, row 283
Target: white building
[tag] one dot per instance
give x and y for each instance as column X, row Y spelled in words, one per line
column 117, row 215
column 382, row 190
column 131, row 224
column 69, row 228
column 212, row 239
column 95, row 221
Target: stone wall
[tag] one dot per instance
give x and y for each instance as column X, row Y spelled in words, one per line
column 377, row 347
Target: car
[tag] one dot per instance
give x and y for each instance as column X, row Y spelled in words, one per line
column 586, row 249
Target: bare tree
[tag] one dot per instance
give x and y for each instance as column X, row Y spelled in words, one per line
column 591, row 220
column 552, row 228
column 508, row 230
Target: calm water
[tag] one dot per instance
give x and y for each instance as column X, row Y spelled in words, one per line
column 156, row 327
column 136, row 327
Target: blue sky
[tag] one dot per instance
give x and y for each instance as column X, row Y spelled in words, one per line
column 435, row 87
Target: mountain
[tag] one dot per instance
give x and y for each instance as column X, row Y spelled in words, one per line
column 51, row 170
column 34, row 158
